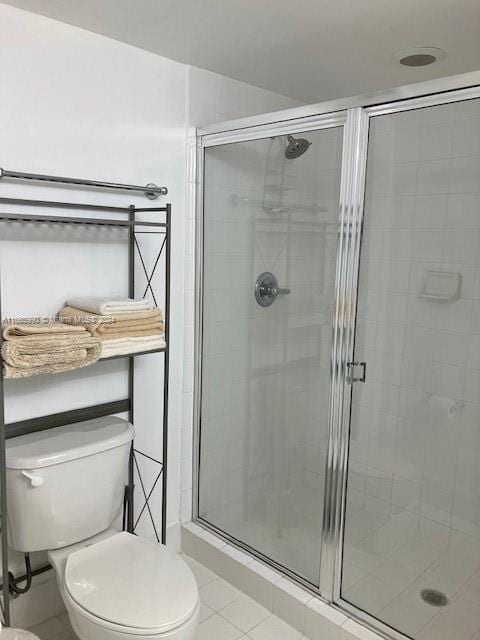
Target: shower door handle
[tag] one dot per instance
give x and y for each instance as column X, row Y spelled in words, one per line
column 351, row 377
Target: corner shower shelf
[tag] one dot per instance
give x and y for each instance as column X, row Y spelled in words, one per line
column 132, row 225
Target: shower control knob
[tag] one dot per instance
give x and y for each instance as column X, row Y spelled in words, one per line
column 35, row 481
column 267, row 289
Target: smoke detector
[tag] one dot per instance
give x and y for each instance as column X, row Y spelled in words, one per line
column 419, row 56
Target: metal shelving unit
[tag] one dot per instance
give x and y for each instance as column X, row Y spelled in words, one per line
column 133, row 227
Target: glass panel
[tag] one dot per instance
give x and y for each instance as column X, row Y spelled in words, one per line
column 266, row 369
column 413, row 494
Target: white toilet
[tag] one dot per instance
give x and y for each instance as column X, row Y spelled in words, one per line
column 65, row 490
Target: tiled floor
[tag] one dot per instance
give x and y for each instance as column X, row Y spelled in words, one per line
column 226, row 614
column 58, row 628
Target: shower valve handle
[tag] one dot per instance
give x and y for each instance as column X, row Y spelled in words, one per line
column 274, row 291
column 267, row 289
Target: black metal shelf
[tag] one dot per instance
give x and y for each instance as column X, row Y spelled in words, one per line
column 31, row 425
column 99, row 222
column 79, row 206
column 134, row 354
column 40, row 423
column 131, row 355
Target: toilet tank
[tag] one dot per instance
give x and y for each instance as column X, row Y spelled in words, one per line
column 66, row 484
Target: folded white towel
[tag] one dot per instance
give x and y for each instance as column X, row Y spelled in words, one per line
column 122, row 346
column 115, row 305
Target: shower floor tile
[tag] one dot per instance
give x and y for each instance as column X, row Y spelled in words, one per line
column 226, row 614
column 385, row 577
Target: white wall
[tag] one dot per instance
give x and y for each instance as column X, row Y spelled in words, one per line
column 77, row 104
column 212, row 99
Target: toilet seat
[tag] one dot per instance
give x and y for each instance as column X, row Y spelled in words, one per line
column 131, row 585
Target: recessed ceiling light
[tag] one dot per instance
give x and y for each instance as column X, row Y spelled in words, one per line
column 420, row 56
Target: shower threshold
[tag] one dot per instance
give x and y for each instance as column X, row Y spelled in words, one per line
column 297, row 604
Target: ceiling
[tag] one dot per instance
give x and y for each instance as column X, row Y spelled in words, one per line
column 311, row 50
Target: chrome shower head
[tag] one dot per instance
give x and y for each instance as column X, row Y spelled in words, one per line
column 296, row 147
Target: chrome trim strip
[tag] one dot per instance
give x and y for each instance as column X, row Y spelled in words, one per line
column 434, row 100
column 351, row 212
column 198, row 344
column 313, row 123
column 440, row 85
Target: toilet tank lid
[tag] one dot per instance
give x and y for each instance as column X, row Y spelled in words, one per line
column 69, row 442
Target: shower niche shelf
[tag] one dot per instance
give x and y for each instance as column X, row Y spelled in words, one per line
column 441, row 286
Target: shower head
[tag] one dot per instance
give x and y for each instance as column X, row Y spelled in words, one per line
column 296, row 147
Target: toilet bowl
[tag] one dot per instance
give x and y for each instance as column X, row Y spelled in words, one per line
column 118, row 586
column 65, row 490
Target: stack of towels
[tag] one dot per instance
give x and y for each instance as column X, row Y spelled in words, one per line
column 123, row 325
column 41, row 346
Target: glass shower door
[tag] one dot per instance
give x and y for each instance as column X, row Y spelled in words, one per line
column 411, row 548
column 270, row 231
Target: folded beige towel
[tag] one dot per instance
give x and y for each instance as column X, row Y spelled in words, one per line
column 37, row 329
column 127, row 345
column 24, row 357
column 138, row 324
column 156, row 333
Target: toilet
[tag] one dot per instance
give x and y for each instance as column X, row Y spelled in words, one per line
column 65, row 490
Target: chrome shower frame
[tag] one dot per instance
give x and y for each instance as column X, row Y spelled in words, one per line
column 354, row 115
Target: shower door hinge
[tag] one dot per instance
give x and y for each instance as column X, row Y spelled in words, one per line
column 351, row 371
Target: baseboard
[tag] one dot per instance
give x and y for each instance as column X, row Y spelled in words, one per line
column 174, row 537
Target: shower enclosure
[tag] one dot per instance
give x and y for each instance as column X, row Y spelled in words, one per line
column 338, row 351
